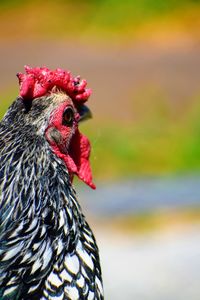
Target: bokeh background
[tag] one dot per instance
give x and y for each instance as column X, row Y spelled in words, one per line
column 142, row 60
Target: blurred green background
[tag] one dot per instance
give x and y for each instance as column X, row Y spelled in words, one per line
column 142, row 60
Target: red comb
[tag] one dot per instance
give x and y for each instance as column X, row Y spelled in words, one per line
column 37, row 82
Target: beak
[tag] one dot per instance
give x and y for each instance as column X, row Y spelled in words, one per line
column 84, row 113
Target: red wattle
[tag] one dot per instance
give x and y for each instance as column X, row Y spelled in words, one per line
column 77, row 158
column 79, row 152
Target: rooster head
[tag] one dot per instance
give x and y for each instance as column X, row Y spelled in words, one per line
column 56, row 101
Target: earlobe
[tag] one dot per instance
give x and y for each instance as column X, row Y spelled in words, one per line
column 53, row 136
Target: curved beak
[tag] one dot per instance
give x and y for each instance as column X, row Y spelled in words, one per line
column 85, row 113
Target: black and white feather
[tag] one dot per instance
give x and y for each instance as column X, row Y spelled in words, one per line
column 47, row 249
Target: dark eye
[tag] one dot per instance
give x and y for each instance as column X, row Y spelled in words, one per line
column 68, row 116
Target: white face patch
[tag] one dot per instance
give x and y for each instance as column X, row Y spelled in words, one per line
column 57, row 98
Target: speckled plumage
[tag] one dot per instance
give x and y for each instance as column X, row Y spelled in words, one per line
column 47, row 249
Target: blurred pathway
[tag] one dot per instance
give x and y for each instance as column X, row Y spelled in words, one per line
column 157, row 267
column 142, row 195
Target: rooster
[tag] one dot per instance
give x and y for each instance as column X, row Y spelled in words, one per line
column 47, row 249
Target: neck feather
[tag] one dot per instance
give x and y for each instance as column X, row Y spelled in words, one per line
column 31, row 176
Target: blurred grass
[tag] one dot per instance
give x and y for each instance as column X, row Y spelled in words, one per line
column 158, row 220
column 106, row 19
column 161, row 141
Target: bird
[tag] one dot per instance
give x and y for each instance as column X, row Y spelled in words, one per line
column 47, row 249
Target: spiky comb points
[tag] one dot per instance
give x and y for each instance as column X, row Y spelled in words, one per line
column 38, row 82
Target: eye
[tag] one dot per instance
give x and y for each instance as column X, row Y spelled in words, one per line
column 68, row 116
